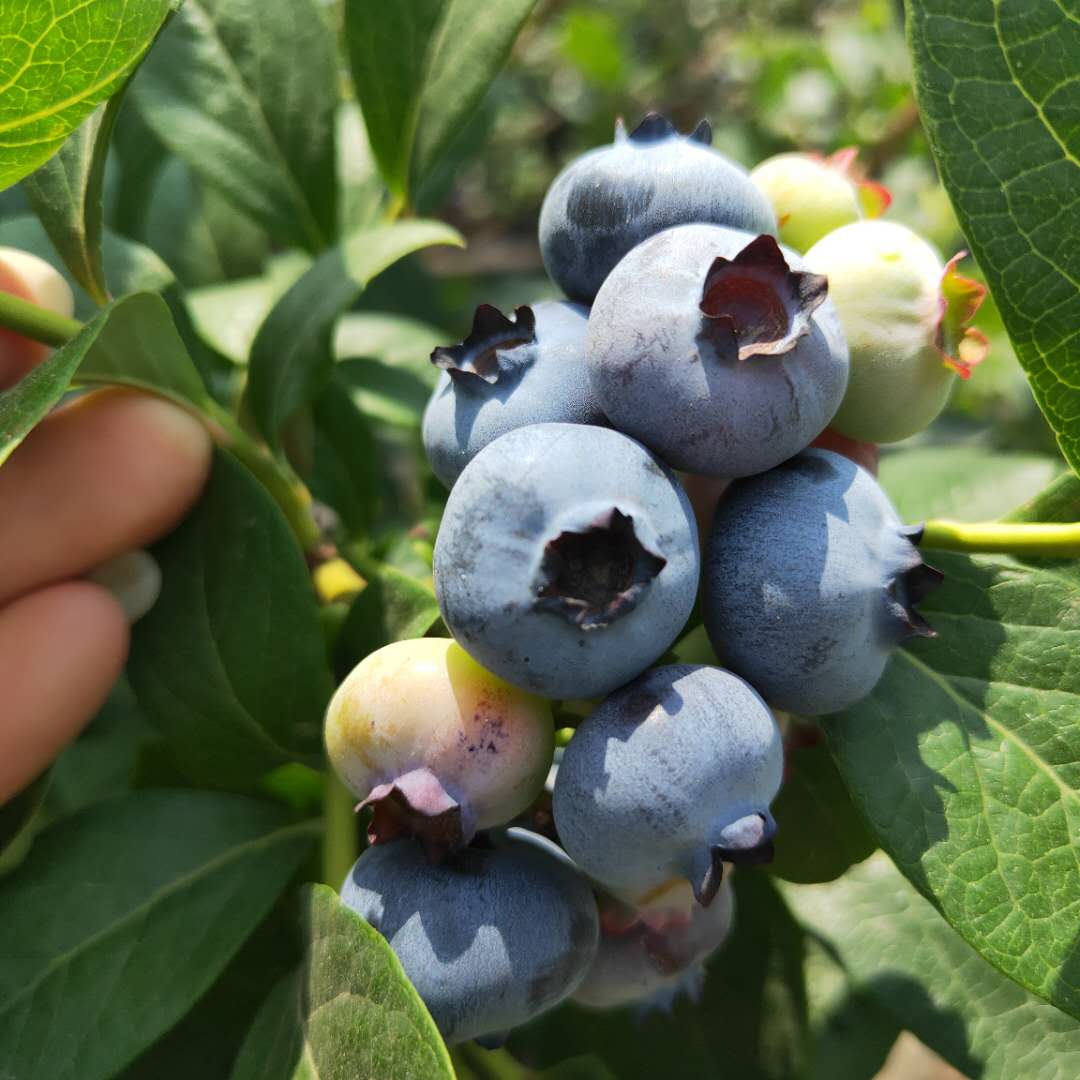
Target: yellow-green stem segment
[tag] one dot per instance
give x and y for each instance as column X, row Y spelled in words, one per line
column 35, row 322
column 339, row 832
column 1054, row 541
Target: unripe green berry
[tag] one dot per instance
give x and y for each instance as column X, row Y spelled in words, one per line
column 812, row 195
column 903, row 311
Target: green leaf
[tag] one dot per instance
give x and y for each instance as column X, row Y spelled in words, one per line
column 229, row 664
column 346, row 473
column 966, row 760
column 997, row 89
column 244, row 91
column 820, row 833
column 141, row 348
column 964, row 483
column 205, row 1043
column 393, row 606
column 129, row 267
column 29, row 400
column 121, row 917
column 420, row 68
column 292, row 355
column 357, row 1016
column 197, row 232
column 896, row 949
column 65, row 193
column 750, row 1022
column 60, row 60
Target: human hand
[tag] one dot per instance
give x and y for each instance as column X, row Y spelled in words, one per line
column 111, row 471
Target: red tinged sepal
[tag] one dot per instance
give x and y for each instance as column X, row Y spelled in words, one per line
column 962, row 347
column 874, row 198
column 478, row 357
column 417, row 804
column 755, row 304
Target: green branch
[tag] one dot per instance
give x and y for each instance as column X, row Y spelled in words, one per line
column 1055, row 541
column 36, row 322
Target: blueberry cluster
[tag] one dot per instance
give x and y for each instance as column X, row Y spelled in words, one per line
column 569, row 561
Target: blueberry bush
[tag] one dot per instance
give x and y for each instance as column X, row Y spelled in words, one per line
column 526, row 697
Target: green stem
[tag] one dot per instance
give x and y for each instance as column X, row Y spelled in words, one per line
column 339, row 832
column 36, row 322
column 1049, row 540
column 288, row 492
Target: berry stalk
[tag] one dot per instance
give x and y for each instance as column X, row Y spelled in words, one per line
column 1047, row 540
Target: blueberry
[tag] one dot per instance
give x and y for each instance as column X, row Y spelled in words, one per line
column 438, row 746
column 668, row 779
column 650, row 964
column 717, row 350
column 608, row 201
column 810, row 581
column 504, row 375
column 567, row 559
column 904, row 313
column 490, row 938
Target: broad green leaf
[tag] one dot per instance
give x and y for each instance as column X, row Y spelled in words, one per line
column 292, row 355
column 274, row 1046
column 750, row 1021
column 205, row 1043
column 393, row 606
column 245, row 92
column 121, row 917
column 136, row 155
column 59, row 59
column 346, row 473
column 820, row 833
column 66, row 194
column 23, row 405
column 420, row 68
column 997, row 89
column 141, row 348
column 202, row 238
column 896, row 949
column 229, row 664
column 361, row 1018
column 964, row 483
column 966, row 762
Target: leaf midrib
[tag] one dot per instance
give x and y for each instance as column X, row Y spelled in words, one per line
column 157, row 896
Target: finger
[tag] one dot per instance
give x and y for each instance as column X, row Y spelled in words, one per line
column 61, row 650
column 29, row 278
column 113, row 471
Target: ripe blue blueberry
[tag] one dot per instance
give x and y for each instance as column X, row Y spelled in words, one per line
column 649, row 964
column 717, row 350
column 810, row 582
column 609, row 200
column 567, row 559
column 504, row 375
column 490, row 937
column 668, row 779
